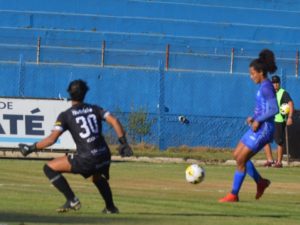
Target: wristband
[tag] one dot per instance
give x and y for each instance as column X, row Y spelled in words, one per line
column 123, row 140
column 34, row 146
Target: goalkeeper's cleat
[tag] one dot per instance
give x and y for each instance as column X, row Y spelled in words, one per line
column 261, row 186
column 229, row 198
column 70, row 205
column 114, row 210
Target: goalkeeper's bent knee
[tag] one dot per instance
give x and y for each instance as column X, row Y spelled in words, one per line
column 51, row 174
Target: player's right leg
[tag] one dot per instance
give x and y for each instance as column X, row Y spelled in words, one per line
column 53, row 170
column 240, row 154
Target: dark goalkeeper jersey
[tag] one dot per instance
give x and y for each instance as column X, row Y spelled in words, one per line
column 84, row 122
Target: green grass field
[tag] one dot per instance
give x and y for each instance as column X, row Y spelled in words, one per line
column 148, row 193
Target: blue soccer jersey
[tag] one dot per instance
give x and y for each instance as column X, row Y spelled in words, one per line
column 266, row 104
column 266, row 108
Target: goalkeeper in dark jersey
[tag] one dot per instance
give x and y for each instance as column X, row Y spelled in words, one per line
column 93, row 157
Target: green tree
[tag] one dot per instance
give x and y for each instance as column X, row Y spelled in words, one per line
column 139, row 124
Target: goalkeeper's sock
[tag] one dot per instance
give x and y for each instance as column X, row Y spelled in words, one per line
column 105, row 191
column 58, row 180
column 252, row 172
column 237, row 181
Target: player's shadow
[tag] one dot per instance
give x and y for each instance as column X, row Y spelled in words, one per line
column 66, row 218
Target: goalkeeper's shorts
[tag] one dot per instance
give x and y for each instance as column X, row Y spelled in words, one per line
column 90, row 166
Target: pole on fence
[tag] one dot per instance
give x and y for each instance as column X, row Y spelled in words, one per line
column 161, row 107
column 297, row 63
column 283, row 84
column 103, row 53
column 287, row 144
column 231, row 60
column 283, row 78
column 38, row 50
column 167, row 56
column 21, row 76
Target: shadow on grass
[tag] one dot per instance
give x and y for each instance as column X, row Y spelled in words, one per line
column 128, row 218
column 22, row 218
column 215, row 215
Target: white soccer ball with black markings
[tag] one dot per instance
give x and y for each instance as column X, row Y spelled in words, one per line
column 194, row 174
column 284, row 109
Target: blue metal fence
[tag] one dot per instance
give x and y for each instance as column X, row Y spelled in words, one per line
column 202, row 76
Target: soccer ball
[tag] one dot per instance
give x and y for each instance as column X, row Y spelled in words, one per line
column 284, row 109
column 194, row 174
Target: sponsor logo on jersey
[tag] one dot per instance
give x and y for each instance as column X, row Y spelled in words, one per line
column 81, row 111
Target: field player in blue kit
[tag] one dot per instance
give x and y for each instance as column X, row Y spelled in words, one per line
column 93, row 157
column 261, row 127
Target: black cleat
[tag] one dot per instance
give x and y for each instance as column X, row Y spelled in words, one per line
column 114, row 210
column 70, row 205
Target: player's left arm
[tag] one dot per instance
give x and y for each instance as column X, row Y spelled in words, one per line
column 289, row 120
column 289, row 100
column 115, row 123
column 124, row 148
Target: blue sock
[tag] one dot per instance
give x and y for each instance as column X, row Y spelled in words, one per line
column 237, row 181
column 252, row 172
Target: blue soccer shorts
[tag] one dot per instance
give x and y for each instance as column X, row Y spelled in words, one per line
column 255, row 141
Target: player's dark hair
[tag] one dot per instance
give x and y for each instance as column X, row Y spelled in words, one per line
column 77, row 90
column 265, row 62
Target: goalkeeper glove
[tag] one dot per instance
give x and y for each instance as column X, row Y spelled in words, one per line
column 124, row 148
column 27, row 149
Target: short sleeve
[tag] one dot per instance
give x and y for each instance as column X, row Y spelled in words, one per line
column 102, row 113
column 60, row 123
column 286, row 97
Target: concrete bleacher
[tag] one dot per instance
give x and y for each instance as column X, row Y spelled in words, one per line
column 140, row 30
column 201, row 35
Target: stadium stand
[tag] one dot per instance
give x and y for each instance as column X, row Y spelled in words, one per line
column 210, row 46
